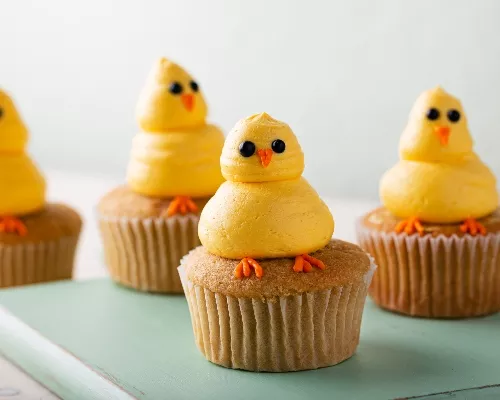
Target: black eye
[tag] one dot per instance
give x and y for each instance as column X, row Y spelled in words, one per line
column 247, row 149
column 175, row 88
column 453, row 115
column 194, row 86
column 1, row 112
column 433, row 114
column 278, row 146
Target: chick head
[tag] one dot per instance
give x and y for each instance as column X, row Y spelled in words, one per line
column 171, row 99
column 13, row 133
column 261, row 149
column 437, row 129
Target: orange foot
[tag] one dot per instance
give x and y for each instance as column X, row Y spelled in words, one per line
column 181, row 205
column 473, row 227
column 410, row 226
column 304, row 263
column 244, row 268
column 13, row 225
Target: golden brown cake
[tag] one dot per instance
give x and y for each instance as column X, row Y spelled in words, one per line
column 285, row 321
column 142, row 246
column 444, row 273
column 149, row 224
column 269, row 290
column 46, row 252
column 382, row 220
column 437, row 238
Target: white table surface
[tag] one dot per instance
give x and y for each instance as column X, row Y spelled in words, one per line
column 83, row 192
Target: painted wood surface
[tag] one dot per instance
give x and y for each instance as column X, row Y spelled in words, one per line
column 95, row 340
column 16, row 385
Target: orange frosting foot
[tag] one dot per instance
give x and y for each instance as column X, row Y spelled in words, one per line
column 13, row 225
column 410, row 226
column 244, row 268
column 470, row 225
column 181, row 205
column 304, row 263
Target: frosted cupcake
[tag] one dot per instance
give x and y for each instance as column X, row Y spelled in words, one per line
column 269, row 290
column 150, row 223
column 37, row 239
column 436, row 240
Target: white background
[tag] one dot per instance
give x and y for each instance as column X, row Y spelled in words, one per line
column 343, row 74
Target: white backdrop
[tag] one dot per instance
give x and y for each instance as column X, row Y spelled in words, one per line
column 343, row 74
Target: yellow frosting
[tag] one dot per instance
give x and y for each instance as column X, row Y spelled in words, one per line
column 262, row 130
column 438, row 181
column 160, row 110
column 22, row 187
column 264, row 212
column 177, row 163
column 177, row 154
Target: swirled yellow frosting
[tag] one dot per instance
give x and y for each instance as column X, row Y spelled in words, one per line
column 439, row 178
column 261, row 130
column 177, row 163
column 22, row 186
column 169, row 100
column 265, row 209
column 177, row 153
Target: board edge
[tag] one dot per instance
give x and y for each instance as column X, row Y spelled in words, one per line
column 52, row 366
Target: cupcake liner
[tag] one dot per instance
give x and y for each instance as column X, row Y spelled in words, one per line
column 292, row 333
column 28, row 263
column 441, row 277
column 144, row 253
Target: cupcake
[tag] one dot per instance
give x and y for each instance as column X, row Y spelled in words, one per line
column 269, row 290
column 436, row 239
column 37, row 239
column 150, row 223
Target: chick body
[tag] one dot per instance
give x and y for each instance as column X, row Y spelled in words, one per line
column 22, row 186
column 177, row 153
column 434, row 181
column 180, row 163
column 264, row 212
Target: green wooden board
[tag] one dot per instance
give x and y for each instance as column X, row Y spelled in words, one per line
column 95, row 340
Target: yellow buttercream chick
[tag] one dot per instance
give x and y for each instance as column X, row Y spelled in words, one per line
column 22, row 187
column 177, row 153
column 439, row 178
column 265, row 209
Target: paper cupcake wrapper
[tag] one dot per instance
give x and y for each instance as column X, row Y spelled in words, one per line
column 306, row 331
column 441, row 277
column 144, row 253
column 28, row 263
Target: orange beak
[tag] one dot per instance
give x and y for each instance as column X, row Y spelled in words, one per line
column 188, row 101
column 443, row 133
column 265, row 156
